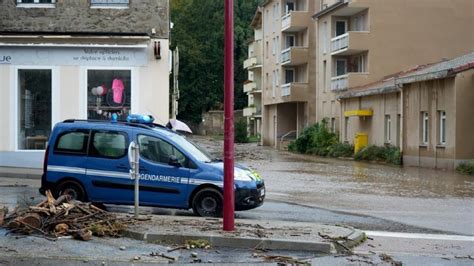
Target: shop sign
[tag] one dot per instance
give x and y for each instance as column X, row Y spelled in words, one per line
column 5, row 59
column 73, row 56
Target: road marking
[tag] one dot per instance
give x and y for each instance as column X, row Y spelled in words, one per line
column 420, row 236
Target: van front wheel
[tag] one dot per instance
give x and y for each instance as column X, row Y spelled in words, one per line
column 73, row 189
column 208, row 203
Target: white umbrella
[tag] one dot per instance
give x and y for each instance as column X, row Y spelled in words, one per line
column 176, row 125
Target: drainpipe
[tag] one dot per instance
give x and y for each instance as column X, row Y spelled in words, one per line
column 401, row 121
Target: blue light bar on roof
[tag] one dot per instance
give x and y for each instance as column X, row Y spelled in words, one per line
column 141, row 119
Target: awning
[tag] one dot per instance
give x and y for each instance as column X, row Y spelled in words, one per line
column 361, row 112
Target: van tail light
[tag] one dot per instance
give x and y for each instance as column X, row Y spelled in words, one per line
column 45, row 161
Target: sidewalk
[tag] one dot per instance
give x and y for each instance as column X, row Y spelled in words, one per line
column 253, row 234
column 21, row 172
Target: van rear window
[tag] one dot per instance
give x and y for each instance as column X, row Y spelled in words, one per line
column 72, row 142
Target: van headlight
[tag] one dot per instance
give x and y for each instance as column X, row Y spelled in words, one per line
column 242, row 175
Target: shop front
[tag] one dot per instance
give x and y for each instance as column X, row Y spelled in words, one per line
column 43, row 84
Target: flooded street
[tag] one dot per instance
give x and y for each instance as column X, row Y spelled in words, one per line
column 425, row 198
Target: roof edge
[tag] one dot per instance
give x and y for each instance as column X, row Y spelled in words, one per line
column 329, row 9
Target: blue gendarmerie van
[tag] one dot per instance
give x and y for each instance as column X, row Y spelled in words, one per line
column 89, row 161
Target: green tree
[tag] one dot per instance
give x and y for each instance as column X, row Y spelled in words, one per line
column 199, row 33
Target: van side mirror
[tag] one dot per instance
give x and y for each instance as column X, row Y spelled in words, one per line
column 174, row 161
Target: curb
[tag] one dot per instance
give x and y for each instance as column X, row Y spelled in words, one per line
column 236, row 242
column 355, row 238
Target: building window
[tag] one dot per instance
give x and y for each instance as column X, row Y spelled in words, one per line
column 324, row 75
column 333, row 125
column 277, row 78
column 442, row 127
column 424, row 128
column 290, row 6
column 273, row 84
column 341, row 27
column 359, row 23
column 109, row 3
column 346, row 128
column 324, row 38
column 36, row 3
column 341, row 67
column 34, row 108
column 289, row 41
column 388, row 129
column 266, row 49
column 108, row 92
column 289, row 75
column 277, row 44
column 358, row 64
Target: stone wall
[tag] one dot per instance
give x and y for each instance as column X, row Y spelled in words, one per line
column 76, row 16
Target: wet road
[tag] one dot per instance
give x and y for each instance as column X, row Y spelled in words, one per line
column 418, row 198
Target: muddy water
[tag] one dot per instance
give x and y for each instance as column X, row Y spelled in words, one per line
column 418, row 196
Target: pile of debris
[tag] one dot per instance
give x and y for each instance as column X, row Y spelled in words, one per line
column 60, row 217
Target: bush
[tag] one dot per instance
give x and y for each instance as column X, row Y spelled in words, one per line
column 466, row 167
column 240, row 129
column 316, row 139
column 341, row 150
column 389, row 154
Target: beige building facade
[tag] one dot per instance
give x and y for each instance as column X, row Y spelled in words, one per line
column 253, row 86
column 426, row 111
column 362, row 41
column 51, row 70
column 288, row 74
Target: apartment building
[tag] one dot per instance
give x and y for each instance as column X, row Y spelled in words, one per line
column 362, row 41
column 81, row 59
column 426, row 111
column 253, row 86
column 288, row 73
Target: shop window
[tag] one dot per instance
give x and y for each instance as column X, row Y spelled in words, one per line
column 34, row 108
column 108, row 92
column 108, row 144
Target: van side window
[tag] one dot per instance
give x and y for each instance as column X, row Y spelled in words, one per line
column 159, row 151
column 108, row 144
column 72, row 142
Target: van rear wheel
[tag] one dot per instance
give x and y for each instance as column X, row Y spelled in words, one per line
column 208, row 203
column 73, row 189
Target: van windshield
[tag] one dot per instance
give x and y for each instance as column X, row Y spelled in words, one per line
column 199, row 153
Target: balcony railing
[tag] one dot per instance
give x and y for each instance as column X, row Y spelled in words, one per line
column 249, row 111
column 285, row 55
column 339, row 83
column 248, row 87
column 349, row 80
column 340, row 42
column 295, row 21
column 295, row 55
column 285, row 21
column 250, row 62
column 286, row 89
column 349, row 43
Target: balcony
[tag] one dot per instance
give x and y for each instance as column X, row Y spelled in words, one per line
column 249, row 111
column 295, row 92
column 294, row 56
column 348, row 80
column 349, row 43
column 295, row 21
column 250, row 86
